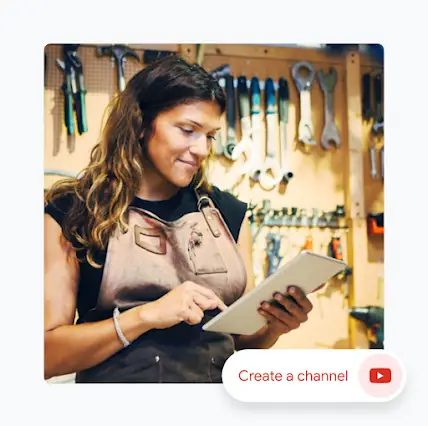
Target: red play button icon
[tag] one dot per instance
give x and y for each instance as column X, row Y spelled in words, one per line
column 380, row 375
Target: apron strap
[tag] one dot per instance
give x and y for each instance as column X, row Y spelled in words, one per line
column 207, row 208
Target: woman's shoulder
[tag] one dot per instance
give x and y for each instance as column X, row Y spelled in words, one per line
column 232, row 209
column 227, row 200
column 59, row 207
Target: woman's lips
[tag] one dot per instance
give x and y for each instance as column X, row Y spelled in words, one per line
column 190, row 164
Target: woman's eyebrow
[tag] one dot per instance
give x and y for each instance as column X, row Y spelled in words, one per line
column 200, row 125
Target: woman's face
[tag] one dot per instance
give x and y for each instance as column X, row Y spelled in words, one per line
column 182, row 139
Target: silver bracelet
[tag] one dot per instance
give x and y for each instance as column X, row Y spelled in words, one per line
column 123, row 339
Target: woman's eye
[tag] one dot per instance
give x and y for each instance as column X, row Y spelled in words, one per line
column 212, row 137
column 187, row 131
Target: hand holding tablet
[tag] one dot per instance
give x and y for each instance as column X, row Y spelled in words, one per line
column 307, row 271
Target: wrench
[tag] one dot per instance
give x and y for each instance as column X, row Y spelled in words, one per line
column 304, row 86
column 271, row 163
column 330, row 132
column 283, row 103
column 245, row 145
column 231, row 117
column 255, row 129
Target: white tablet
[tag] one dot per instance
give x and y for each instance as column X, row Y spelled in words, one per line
column 307, row 270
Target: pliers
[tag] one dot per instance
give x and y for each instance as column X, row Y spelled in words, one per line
column 74, row 90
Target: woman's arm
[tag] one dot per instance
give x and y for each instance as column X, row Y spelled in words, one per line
column 70, row 348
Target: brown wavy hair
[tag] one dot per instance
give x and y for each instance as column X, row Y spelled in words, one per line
column 102, row 192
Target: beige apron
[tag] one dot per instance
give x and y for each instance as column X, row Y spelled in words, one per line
column 151, row 258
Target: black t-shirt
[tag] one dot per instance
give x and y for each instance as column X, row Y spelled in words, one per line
column 184, row 202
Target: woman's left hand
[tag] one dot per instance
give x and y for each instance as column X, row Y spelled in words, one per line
column 292, row 310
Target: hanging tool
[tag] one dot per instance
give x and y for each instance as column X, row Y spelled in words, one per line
column 263, row 218
column 231, row 116
column 245, row 145
column 381, row 163
column 273, row 248
column 271, row 164
column 304, row 86
column 373, row 318
column 118, row 53
column 219, row 74
column 150, row 56
column 74, row 89
column 221, row 71
column 367, row 112
column 256, row 129
column 283, row 104
column 335, row 250
column 308, row 244
column 375, row 224
column 373, row 166
column 252, row 216
column 330, row 133
column 378, row 120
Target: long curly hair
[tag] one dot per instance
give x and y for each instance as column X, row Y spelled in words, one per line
column 104, row 189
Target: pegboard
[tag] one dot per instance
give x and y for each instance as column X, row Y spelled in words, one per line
column 319, row 176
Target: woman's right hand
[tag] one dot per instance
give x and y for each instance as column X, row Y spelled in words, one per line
column 187, row 303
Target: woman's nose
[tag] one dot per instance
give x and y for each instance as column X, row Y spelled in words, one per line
column 200, row 147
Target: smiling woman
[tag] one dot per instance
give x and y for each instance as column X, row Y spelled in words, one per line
column 145, row 249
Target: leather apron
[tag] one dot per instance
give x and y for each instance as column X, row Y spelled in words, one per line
column 143, row 264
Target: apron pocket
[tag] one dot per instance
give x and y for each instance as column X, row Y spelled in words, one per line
column 204, row 254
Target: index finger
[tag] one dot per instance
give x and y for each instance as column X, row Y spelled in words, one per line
column 211, row 295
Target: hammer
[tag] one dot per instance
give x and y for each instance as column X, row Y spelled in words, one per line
column 118, row 53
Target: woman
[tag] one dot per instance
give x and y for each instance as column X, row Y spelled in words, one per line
column 145, row 249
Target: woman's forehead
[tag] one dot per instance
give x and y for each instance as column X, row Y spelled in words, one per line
column 205, row 113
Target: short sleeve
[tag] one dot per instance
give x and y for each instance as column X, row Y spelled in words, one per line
column 232, row 209
column 59, row 208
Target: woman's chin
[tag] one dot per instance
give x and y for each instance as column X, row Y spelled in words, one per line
column 182, row 181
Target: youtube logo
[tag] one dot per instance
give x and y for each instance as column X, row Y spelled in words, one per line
column 380, row 375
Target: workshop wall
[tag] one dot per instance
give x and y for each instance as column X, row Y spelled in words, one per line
column 319, row 176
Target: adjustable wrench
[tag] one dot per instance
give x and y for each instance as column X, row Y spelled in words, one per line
column 283, row 103
column 231, row 117
column 330, row 132
column 245, row 145
column 271, row 163
column 304, row 86
column 255, row 129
